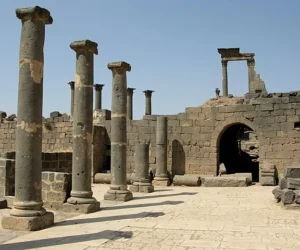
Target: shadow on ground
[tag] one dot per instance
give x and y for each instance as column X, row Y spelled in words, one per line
column 164, row 195
column 105, row 235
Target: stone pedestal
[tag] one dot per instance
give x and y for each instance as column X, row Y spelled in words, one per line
column 129, row 102
column 82, row 199
column 161, row 176
column 142, row 183
column 72, row 84
column 148, row 104
column 225, row 78
column 118, row 190
column 98, row 96
column 28, row 212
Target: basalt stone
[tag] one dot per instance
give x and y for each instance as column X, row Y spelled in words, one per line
column 277, row 192
column 292, row 172
column 288, row 196
column 297, row 196
column 3, row 203
column 283, row 183
column 293, row 183
column 55, row 114
column 224, row 181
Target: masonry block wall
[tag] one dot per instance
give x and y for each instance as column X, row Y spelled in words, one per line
column 193, row 136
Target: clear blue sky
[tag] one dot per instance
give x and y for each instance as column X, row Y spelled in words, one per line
column 170, row 44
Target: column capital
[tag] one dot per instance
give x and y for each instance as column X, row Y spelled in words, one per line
column 251, row 62
column 84, row 45
column 224, row 63
column 119, row 66
column 34, row 13
column 130, row 91
column 98, row 86
column 72, row 84
column 148, row 93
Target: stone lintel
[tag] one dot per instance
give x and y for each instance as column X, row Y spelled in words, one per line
column 240, row 58
column 233, row 54
column 28, row 223
column 98, row 86
column 34, row 13
column 121, row 65
column 84, row 45
column 72, row 84
column 130, row 91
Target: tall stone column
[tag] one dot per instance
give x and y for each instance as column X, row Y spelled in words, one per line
column 161, row 175
column 118, row 189
column 251, row 74
column 148, row 104
column 72, row 84
column 225, row 78
column 28, row 212
column 142, row 183
column 98, row 96
column 129, row 102
column 82, row 199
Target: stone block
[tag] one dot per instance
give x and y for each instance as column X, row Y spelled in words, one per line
column 297, row 196
column 293, row 183
column 224, row 181
column 161, row 182
column 283, row 183
column 118, row 195
column 187, row 180
column 288, row 196
column 3, row 203
column 28, row 223
column 81, row 208
column 277, row 192
column 292, row 172
column 141, row 187
column 267, row 181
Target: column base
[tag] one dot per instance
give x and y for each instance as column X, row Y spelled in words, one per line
column 118, row 195
column 28, row 223
column 81, row 208
column 159, row 181
column 3, row 204
column 141, row 187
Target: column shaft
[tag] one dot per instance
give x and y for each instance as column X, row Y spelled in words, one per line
column 225, row 78
column 72, row 96
column 161, row 147
column 98, row 96
column 251, row 74
column 141, row 162
column 83, row 123
column 148, row 104
column 28, row 193
column 129, row 103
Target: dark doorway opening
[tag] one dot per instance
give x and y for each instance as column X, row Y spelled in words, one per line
column 239, row 148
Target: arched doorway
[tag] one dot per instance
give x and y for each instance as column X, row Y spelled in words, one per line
column 238, row 150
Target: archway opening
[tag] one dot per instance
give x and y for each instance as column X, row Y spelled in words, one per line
column 239, row 150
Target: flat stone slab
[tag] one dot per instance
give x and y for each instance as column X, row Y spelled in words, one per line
column 28, row 223
column 81, row 208
column 224, row 181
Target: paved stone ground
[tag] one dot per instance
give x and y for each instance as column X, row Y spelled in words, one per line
column 177, row 218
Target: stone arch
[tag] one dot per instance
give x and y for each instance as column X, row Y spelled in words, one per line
column 222, row 127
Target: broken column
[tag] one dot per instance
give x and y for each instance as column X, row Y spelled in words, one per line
column 129, row 103
column 142, row 183
column 225, row 78
column 161, row 175
column 148, row 104
column 251, row 73
column 72, row 83
column 118, row 189
column 98, row 96
column 28, row 212
column 82, row 199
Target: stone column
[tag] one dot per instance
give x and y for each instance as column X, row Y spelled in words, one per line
column 28, row 212
column 225, row 78
column 161, row 175
column 98, row 96
column 118, row 189
column 129, row 103
column 72, row 83
column 251, row 74
column 81, row 199
column 148, row 107
column 142, row 183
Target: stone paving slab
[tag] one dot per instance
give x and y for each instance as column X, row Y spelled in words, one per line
column 175, row 218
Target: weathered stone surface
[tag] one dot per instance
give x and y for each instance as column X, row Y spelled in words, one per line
column 277, row 192
column 28, row 223
column 283, row 183
column 267, row 181
column 297, row 196
column 288, row 196
column 187, row 180
column 105, row 178
column 118, row 195
column 293, row 183
column 224, row 181
column 81, row 208
column 55, row 114
column 247, row 175
column 141, row 187
column 292, row 172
